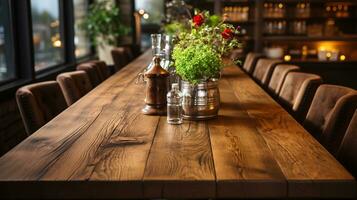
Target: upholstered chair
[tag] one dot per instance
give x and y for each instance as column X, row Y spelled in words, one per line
column 235, row 54
column 330, row 113
column 264, row 69
column 251, row 61
column 92, row 71
column 297, row 92
column 39, row 103
column 129, row 53
column 119, row 57
column 74, row 85
column 279, row 74
column 103, row 68
column 347, row 153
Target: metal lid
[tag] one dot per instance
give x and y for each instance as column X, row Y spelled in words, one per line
column 156, row 70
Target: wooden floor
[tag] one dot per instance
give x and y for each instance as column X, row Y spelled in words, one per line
column 103, row 147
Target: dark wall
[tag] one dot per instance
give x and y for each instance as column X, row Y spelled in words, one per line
column 12, row 130
column 337, row 73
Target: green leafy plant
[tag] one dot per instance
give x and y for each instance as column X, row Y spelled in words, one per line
column 199, row 51
column 103, row 23
column 197, row 62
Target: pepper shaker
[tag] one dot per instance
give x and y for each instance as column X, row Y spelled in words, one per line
column 156, row 89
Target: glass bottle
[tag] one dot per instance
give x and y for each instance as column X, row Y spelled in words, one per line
column 156, row 44
column 174, row 105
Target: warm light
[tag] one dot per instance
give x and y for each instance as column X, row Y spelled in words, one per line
column 287, row 58
column 322, row 48
column 281, row 5
column 342, row 57
column 328, row 54
column 57, row 43
column 141, row 11
column 304, row 51
column 146, row 16
column 54, row 24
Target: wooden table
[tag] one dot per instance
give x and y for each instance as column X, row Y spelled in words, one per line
column 103, row 147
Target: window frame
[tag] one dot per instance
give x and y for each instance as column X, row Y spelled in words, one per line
column 20, row 23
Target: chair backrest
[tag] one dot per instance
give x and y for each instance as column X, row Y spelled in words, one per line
column 39, row 103
column 279, row 74
column 264, row 69
column 235, row 54
column 119, row 57
column 104, row 70
column 330, row 113
column 297, row 92
column 92, row 71
column 74, row 85
column 347, row 153
column 251, row 61
column 129, row 53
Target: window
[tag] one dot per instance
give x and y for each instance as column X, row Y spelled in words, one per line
column 153, row 13
column 81, row 39
column 47, row 38
column 6, row 66
column 153, row 8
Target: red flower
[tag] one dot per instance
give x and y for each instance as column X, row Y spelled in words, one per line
column 227, row 33
column 198, row 20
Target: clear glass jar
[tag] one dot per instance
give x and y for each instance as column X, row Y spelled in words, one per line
column 174, row 105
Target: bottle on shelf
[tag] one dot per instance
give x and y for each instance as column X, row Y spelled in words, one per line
column 237, row 13
column 339, row 10
column 302, row 10
column 274, row 10
column 299, row 27
column 174, row 105
column 275, row 27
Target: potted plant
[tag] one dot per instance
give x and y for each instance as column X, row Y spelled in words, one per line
column 104, row 27
column 198, row 59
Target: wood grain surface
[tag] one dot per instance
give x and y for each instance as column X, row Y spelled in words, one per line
column 103, row 147
column 309, row 169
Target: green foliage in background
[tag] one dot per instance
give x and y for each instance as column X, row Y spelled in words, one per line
column 103, row 23
column 197, row 63
column 174, row 28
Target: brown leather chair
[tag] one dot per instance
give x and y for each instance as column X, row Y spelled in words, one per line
column 39, row 103
column 119, row 57
column 104, row 70
column 235, row 54
column 264, row 69
column 74, row 85
column 297, row 92
column 279, row 74
column 251, row 61
column 129, row 53
column 347, row 153
column 92, row 71
column 330, row 113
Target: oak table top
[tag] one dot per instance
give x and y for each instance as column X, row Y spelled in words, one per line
column 103, row 147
